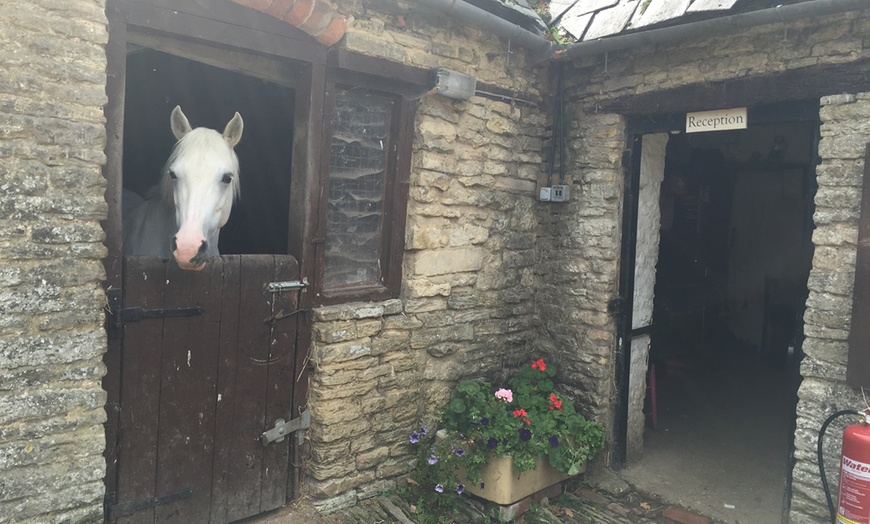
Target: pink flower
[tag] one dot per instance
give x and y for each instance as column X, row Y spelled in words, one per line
column 505, row 394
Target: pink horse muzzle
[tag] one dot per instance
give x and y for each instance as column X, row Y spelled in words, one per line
column 189, row 255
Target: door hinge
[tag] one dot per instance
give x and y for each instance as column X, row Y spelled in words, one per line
column 283, row 428
column 135, row 314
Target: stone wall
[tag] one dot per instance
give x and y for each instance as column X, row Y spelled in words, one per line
column 52, row 135
column 581, row 241
column 845, row 132
column 467, row 306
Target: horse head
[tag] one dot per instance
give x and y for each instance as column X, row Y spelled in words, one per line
column 201, row 177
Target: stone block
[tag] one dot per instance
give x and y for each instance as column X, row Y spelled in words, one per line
column 346, row 330
column 325, row 353
column 390, row 341
column 327, row 490
column 372, row 458
column 444, row 261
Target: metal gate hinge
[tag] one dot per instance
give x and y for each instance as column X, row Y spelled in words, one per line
column 136, row 314
column 283, row 428
column 289, row 285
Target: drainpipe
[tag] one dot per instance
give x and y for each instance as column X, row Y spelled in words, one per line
column 715, row 26
column 487, row 21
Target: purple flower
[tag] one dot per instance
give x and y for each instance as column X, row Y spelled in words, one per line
column 460, row 488
column 424, row 430
column 415, row 437
column 481, row 485
column 525, row 434
column 433, row 460
column 459, row 452
column 492, row 443
column 554, row 441
column 484, row 421
column 439, row 488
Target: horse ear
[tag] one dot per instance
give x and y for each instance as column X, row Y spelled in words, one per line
column 179, row 124
column 233, row 131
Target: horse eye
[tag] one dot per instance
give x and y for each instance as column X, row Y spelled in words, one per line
column 227, row 178
column 172, row 175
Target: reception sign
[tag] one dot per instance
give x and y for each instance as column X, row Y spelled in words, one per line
column 718, row 120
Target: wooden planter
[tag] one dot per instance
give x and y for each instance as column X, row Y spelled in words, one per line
column 504, row 485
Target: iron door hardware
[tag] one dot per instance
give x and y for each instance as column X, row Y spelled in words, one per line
column 283, row 428
column 288, row 285
column 135, row 314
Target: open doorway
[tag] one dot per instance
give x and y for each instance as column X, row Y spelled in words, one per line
column 730, row 287
column 209, row 95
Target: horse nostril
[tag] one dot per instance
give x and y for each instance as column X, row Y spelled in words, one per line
column 174, row 244
column 202, row 249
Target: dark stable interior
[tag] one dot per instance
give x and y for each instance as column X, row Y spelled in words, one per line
column 735, row 248
column 209, row 96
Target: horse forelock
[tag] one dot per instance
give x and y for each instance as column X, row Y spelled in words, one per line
column 200, row 141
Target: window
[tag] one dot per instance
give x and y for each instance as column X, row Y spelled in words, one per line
column 365, row 194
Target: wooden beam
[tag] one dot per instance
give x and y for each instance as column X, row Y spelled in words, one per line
column 282, row 72
column 227, row 23
column 796, row 84
column 379, row 67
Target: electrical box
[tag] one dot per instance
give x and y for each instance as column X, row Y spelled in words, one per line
column 454, row 84
column 545, row 194
column 559, row 193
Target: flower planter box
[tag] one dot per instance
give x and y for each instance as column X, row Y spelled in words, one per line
column 504, row 485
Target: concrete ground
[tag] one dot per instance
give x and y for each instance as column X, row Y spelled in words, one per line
column 721, row 446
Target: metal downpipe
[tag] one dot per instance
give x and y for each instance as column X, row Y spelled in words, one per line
column 713, row 27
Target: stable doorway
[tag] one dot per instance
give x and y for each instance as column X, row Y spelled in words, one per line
column 731, row 248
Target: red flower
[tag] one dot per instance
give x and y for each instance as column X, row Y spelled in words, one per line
column 520, row 413
column 555, row 403
column 539, row 365
column 528, row 422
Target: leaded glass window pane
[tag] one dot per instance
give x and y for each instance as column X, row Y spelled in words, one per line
column 357, row 172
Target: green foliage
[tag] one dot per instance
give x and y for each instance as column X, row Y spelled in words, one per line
column 527, row 421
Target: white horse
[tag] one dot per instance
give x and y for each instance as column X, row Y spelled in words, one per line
column 183, row 214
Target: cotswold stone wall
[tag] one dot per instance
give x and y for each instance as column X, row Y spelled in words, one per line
column 52, row 135
column 575, row 317
column 467, row 305
column 845, row 132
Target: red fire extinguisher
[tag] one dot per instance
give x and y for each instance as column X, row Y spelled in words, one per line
column 853, row 506
column 853, row 502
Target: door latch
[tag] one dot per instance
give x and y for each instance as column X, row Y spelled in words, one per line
column 283, row 428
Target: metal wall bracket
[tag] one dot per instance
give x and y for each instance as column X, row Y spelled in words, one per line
column 283, row 428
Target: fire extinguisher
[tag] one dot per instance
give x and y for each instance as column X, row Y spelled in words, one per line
column 853, row 502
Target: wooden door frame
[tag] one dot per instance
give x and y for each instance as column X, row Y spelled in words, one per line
column 225, row 26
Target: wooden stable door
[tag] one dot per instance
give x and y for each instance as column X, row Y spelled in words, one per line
column 209, row 364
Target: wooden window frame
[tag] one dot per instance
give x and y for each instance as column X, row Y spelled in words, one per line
column 396, row 179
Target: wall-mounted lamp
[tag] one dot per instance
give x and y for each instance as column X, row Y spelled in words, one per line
column 453, row 84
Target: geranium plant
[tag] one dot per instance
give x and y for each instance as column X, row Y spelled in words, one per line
column 526, row 420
